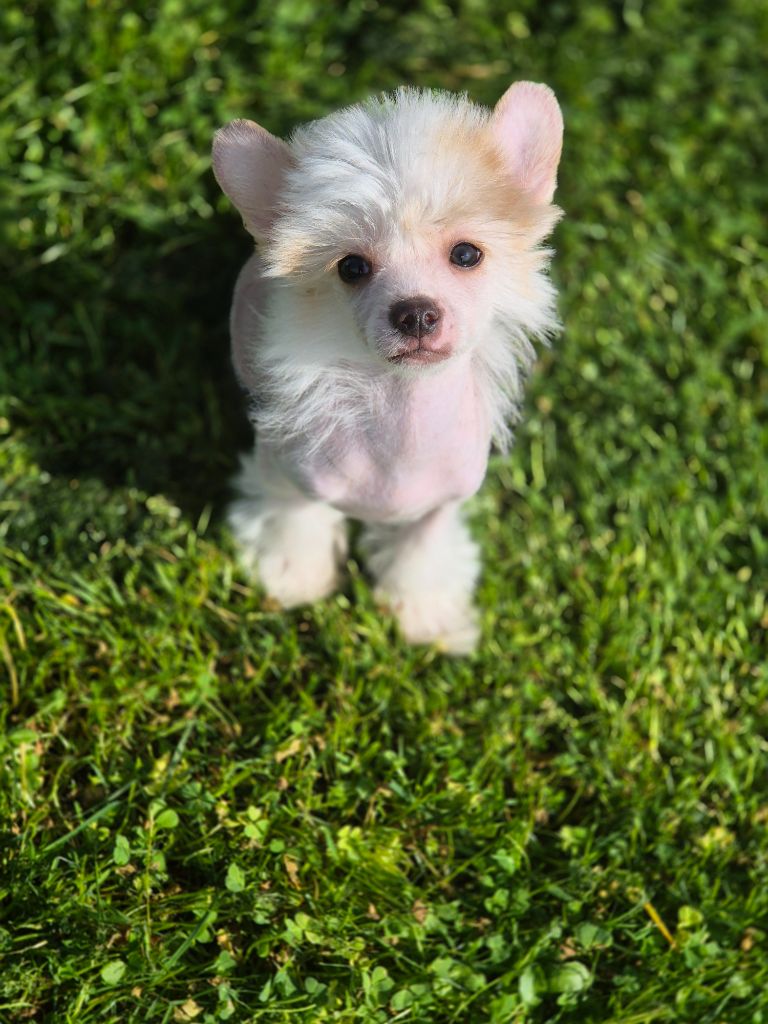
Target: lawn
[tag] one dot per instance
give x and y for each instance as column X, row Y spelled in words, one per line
column 211, row 810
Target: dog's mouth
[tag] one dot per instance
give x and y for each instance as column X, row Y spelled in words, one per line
column 418, row 357
column 418, row 349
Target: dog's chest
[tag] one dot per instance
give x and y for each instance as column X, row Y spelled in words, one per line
column 424, row 442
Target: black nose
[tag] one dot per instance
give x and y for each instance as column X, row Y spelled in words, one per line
column 414, row 317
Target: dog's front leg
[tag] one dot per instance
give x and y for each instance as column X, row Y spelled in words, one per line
column 426, row 572
column 293, row 545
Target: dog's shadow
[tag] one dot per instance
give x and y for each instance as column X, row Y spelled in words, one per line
column 122, row 371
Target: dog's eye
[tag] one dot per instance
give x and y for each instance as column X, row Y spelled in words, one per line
column 353, row 269
column 465, row 255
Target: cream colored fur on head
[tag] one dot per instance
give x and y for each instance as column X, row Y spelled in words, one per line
column 356, row 415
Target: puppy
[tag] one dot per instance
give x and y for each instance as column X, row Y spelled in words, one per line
column 382, row 329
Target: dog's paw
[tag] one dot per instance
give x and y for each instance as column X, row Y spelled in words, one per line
column 445, row 621
column 295, row 556
column 296, row 577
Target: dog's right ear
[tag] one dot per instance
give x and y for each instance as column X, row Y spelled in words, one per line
column 250, row 165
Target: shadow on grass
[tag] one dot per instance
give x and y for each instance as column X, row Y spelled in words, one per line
column 120, row 368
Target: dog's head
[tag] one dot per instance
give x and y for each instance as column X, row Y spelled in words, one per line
column 414, row 220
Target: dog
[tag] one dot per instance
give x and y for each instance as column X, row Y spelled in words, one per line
column 383, row 330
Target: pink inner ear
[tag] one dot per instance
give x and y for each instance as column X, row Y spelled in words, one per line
column 528, row 127
column 250, row 164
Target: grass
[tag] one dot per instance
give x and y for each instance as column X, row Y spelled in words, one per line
column 213, row 811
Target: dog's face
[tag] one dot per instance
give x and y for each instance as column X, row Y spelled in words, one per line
column 412, row 221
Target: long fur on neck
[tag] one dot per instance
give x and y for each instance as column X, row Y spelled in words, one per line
column 330, row 390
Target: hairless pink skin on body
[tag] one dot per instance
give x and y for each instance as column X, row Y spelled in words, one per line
column 433, row 450
column 378, row 397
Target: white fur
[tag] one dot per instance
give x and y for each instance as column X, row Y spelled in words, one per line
column 339, row 425
column 296, row 546
column 425, row 572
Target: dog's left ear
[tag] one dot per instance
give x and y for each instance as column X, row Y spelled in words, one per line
column 250, row 165
column 528, row 127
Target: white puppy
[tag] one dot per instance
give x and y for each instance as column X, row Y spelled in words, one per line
column 382, row 329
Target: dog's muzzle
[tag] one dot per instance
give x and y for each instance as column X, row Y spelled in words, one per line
column 418, row 321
